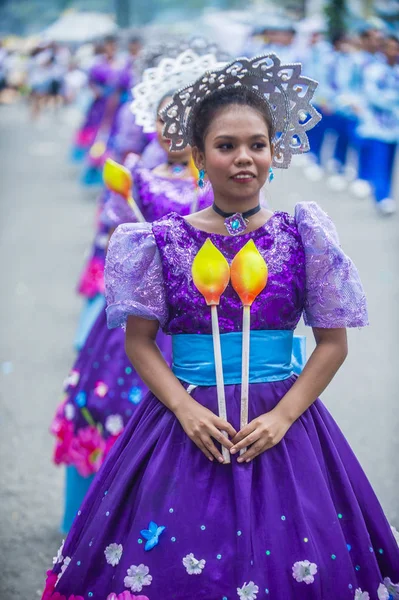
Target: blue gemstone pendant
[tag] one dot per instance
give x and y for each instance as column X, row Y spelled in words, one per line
column 236, row 224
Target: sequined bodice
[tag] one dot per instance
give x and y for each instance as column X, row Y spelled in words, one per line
column 280, row 304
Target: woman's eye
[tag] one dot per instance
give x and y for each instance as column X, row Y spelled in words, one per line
column 226, row 146
column 259, row 145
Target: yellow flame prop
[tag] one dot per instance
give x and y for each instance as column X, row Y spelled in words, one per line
column 248, row 273
column 117, row 178
column 211, row 273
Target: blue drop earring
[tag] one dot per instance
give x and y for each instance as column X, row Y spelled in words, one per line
column 201, row 181
column 271, row 175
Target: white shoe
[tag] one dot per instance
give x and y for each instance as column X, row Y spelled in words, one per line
column 360, row 188
column 337, row 183
column 314, row 173
column 387, row 206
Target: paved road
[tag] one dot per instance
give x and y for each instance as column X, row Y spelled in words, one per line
column 46, row 226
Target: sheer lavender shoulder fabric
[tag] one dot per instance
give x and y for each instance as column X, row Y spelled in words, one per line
column 334, row 292
column 133, row 276
column 116, row 211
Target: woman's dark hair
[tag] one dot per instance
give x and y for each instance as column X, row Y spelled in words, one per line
column 206, row 111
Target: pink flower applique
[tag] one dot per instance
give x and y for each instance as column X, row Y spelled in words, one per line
column 101, row 389
column 63, row 430
column 87, row 450
column 92, row 281
column 126, row 595
column 51, row 580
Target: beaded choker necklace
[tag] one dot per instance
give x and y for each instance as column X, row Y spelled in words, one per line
column 236, row 223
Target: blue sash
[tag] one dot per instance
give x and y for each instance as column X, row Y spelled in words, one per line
column 271, row 357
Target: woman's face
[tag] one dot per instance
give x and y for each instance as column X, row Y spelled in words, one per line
column 182, row 156
column 238, row 153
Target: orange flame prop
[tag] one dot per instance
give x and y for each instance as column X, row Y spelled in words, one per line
column 211, row 273
column 248, row 273
column 118, row 179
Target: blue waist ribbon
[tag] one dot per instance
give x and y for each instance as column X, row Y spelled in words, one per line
column 274, row 356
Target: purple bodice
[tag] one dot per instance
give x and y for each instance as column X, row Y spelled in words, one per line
column 148, row 274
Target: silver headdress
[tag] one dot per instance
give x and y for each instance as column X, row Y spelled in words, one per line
column 285, row 91
column 169, row 75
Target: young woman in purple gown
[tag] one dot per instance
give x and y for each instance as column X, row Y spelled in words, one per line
column 293, row 517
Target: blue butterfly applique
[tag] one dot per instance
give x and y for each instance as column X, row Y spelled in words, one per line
column 152, row 535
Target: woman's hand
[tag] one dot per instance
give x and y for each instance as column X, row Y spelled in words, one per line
column 261, row 434
column 201, row 425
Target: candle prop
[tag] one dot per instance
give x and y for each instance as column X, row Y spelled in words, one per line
column 118, row 179
column 211, row 274
column 248, row 278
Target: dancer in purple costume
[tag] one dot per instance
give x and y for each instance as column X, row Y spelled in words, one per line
column 102, row 389
column 91, row 281
column 294, row 517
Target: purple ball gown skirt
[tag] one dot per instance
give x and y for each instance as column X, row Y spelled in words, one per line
column 299, row 522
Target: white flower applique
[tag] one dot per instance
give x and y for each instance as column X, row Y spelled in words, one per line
column 69, row 411
column 193, row 566
column 64, row 567
column 59, row 558
column 113, row 554
column 360, row 595
column 388, row 590
column 114, row 424
column 72, row 379
column 304, row 571
column 248, row 591
column 382, row 592
column 137, row 577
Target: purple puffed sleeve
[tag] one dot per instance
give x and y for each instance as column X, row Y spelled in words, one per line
column 334, row 292
column 117, row 211
column 134, row 282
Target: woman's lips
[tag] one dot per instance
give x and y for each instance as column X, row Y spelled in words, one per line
column 242, row 178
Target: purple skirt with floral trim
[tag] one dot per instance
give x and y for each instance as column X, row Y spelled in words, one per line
column 102, row 391
column 299, row 522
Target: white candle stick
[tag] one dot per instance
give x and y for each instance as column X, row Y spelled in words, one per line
column 137, row 212
column 246, row 328
column 219, row 376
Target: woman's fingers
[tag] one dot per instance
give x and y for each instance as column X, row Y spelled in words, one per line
column 244, row 432
column 221, row 438
column 203, row 449
column 253, row 451
column 225, row 426
column 211, row 448
column 244, row 443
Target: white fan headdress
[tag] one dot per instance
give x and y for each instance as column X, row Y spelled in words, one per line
column 170, row 75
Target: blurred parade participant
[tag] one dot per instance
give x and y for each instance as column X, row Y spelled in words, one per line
column 102, row 389
column 368, row 53
column 332, row 68
column 286, row 509
column 109, row 81
column 39, row 78
column 379, row 125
